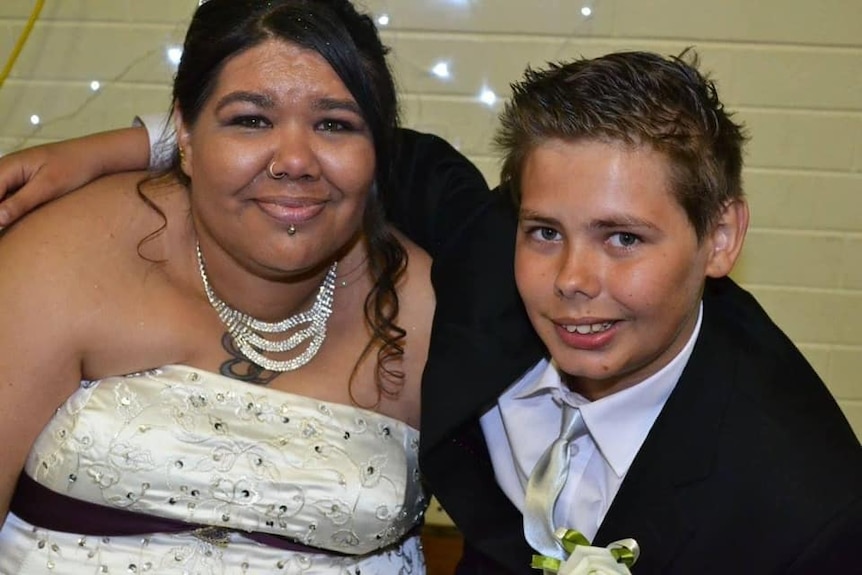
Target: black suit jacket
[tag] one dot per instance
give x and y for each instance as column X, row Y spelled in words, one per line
column 749, row 468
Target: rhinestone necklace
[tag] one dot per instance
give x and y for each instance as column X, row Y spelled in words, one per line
column 245, row 329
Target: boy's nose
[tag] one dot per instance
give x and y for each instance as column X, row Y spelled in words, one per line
column 577, row 275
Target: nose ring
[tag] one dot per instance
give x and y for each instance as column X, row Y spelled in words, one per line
column 271, row 172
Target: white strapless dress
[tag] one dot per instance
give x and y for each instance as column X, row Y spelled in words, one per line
column 198, row 447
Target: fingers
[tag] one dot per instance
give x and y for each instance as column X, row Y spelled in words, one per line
column 11, row 178
column 12, row 175
column 23, row 183
column 27, row 198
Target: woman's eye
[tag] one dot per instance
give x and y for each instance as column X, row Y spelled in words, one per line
column 624, row 240
column 254, row 122
column 333, row 126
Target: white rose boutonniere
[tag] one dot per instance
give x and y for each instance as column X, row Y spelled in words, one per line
column 584, row 559
column 592, row 561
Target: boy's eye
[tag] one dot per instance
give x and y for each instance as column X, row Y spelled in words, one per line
column 624, row 240
column 544, row 234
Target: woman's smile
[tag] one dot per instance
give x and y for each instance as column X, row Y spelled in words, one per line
column 291, row 210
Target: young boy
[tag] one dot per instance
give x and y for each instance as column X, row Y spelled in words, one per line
column 704, row 434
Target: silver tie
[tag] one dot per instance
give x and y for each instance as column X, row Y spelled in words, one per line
column 545, row 483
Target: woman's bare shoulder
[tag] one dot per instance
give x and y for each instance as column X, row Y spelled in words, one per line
column 63, row 250
column 75, row 266
column 102, row 215
column 416, row 313
column 49, row 260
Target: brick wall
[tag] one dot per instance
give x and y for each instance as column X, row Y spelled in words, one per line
column 791, row 69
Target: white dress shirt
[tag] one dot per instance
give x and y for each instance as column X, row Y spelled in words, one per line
column 526, row 420
column 163, row 141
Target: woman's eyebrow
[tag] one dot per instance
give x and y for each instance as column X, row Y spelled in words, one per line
column 256, row 98
column 326, row 104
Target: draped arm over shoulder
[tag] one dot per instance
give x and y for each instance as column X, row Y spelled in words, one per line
column 481, row 340
column 437, row 191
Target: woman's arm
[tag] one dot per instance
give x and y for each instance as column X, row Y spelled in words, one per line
column 42, row 333
column 437, row 189
column 33, row 176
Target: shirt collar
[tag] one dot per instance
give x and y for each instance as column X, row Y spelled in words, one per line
column 618, row 423
column 540, row 379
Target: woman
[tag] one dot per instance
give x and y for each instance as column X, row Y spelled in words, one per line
column 275, row 328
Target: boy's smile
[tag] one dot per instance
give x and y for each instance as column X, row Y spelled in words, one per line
column 607, row 262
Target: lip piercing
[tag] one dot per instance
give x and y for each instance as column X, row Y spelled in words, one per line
column 271, row 172
column 291, row 229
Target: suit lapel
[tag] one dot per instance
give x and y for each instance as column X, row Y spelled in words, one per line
column 655, row 500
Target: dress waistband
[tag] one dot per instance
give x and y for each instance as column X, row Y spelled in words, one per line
column 45, row 508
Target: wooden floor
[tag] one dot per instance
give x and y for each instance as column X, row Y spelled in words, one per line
column 443, row 545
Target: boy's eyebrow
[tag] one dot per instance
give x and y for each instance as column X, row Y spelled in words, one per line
column 614, row 222
column 622, row 221
column 256, row 98
column 534, row 216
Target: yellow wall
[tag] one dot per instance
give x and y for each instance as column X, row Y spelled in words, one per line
column 792, row 69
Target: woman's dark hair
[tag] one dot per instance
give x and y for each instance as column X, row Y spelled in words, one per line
column 350, row 43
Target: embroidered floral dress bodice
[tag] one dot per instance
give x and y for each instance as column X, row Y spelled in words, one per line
column 205, row 449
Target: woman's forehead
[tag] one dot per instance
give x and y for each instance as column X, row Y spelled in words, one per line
column 281, row 67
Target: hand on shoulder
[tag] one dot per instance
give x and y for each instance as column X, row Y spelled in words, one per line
column 33, row 176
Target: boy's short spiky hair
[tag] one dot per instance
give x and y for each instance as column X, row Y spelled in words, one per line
column 635, row 99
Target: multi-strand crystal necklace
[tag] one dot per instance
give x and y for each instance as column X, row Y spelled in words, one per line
column 290, row 333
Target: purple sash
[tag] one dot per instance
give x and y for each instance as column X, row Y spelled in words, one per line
column 40, row 506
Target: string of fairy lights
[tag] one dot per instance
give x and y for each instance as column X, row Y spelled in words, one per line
column 386, row 17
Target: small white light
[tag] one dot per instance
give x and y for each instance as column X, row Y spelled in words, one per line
column 383, row 20
column 586, row 11
column 174, row 55
column 488, row 97
column 35, row 119
column 441, row 70
column 95, row 85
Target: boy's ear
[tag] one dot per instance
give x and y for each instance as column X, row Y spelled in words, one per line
column 727, row 237
column 184, row 145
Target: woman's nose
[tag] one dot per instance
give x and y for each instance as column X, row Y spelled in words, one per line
column 294, row 157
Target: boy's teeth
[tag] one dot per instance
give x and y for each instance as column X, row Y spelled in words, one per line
column 587, row 329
